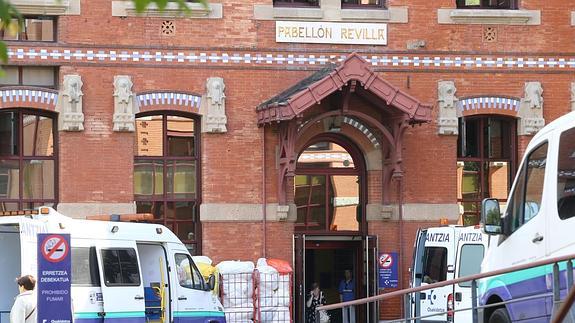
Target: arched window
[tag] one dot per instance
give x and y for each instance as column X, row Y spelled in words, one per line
column 486, row 150
column 28, row 160
column 327, row 189
column 166, row 173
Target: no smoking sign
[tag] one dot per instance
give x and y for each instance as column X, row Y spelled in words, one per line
column 55, row 248
column 385, row 260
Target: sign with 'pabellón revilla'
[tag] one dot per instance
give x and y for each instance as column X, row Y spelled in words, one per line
column 331, row 33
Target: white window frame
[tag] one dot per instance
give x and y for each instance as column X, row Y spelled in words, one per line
column 489, row 16
column 47, row 7
column 331, row 10
column 126, row 8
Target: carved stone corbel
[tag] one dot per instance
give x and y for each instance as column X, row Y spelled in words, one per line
column 531, row 109
column 125, row 104
column 447, row 103
column 70, row 104
column 213, row 108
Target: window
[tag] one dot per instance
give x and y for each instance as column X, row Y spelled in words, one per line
column 362, row 4
column 166, row 173
column 566, row 175
column 295, row 3
column 34, row 28
column 434, row 264
column 120, row 267
column 85, row 267
column 470, row 260
column 41, row 76
column 528, row 192
column 327, row 189
column 485, row 159
column 28, row 162
column 487, row 4
column 188, row 274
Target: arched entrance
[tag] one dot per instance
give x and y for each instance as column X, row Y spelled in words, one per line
column 340, row 140
column 330, row 198
column 329, row 187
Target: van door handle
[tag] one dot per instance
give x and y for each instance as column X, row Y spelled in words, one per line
column 538, row 238
column 182, row 298
column 458, row 297
column 138, row 297
column 101, row 314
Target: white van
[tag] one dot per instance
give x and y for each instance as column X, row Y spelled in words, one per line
column 538, row 223
column 151, row 257
column 445, row 253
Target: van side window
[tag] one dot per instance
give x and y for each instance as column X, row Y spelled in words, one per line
column 566, row 175
column 526, row 199
column 470, row 261
column 85, row 267
column 188, row 274
column 434, row 264
column 120, row 267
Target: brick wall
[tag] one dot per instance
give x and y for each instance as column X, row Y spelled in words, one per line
column 96, row 165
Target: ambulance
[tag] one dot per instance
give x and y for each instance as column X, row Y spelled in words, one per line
column 445, row 253
column 121, row 271
column 537, row 224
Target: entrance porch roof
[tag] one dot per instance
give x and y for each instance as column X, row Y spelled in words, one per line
column 294, row 101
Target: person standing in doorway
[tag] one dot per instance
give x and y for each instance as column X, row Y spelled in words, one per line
column 24, row 309
column 347, row 293
column 314, row 300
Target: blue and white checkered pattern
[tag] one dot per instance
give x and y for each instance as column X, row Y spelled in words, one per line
column 182, row 57
column 29, row 96
column 169, row 98
column 488, row 103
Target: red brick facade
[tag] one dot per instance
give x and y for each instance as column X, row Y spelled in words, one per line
column 95, row 166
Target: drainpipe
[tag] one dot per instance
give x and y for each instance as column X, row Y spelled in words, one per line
column 264, row 208
column 399, row 178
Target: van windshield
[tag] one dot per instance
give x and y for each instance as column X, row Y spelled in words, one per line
column 566, row 175
column 470, row 261
column 434, row 264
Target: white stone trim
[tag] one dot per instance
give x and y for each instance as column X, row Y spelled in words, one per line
column 331, row 10
column 47, row 7
column 572, row 18
column 243, row 212
column 123, row 8
column 81, row 210
column 488, row 16
column 345, row 201
column 413, row 212
column 288, row 13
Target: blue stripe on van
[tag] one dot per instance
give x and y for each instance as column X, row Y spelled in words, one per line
column 198, row 313
column 132, row 317
column 531, row 282
column 199, row 317
column 120, row 317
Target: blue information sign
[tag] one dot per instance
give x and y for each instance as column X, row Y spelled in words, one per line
column 388, row 270
column 54, row 278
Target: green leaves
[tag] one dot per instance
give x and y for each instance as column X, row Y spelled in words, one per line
column 10, row 20
column 141, row 5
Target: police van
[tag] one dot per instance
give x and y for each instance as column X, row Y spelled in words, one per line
column 444, row 253
column 538, row 224
column 121, row 271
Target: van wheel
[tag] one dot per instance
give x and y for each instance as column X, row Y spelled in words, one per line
column 499, row 316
